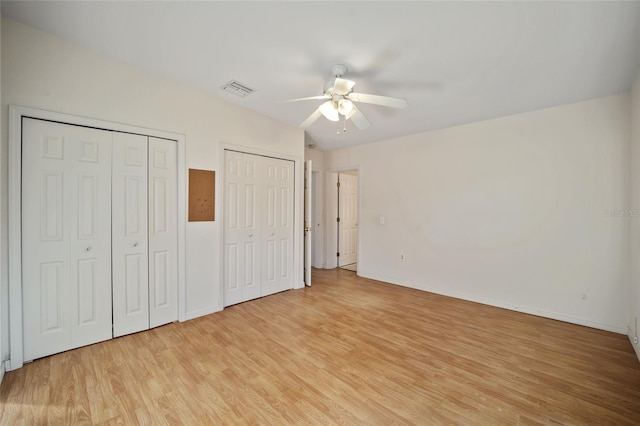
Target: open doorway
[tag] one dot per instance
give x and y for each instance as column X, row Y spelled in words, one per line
column 342, row 242
column 348, row 220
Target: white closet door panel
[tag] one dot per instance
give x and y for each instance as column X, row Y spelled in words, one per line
column 233, row 222
column 277, row 226
column 251, row 228
column 45, row 240
column 91, row 236
column 242, row 279
column 66, row 227
column 163, row 232
column 129, row 235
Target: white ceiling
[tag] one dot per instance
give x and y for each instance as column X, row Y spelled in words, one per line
column 455, row 62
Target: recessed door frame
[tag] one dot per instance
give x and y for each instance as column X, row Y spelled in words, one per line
column 16, row 113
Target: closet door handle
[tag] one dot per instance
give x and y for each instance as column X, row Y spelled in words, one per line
column 250, row 235
column 273, row 233
column 88, row 249
column 135, row 244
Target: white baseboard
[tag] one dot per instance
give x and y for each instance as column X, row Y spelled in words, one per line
column 2, row 371
column 202, row 312
column 505, row 305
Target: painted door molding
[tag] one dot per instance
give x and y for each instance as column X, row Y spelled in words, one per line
column 16, row 114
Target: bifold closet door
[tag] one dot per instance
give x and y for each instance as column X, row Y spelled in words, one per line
column 163, row 231
column 258, row 229
column 277, row 225
column 145, row 233
column 130, row 234
column 99, row 235
column 66, row 237
column 242, row 228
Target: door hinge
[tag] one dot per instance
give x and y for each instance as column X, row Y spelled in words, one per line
column 338, row 184
column 337, row 219
column 338, row 254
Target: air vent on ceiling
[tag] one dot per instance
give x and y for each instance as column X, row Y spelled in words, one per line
column 237, row 88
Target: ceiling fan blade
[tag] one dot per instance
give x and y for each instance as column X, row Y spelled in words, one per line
column 306, row 99
column 358, row 118
column 311, row 119
column 343, row 86
column 378, row 100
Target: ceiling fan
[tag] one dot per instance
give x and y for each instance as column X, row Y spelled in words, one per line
column 340, row 101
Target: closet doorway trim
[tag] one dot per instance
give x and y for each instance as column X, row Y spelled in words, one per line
column 16, row 114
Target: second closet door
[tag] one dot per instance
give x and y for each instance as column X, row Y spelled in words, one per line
column 242, row 228
column 258, row 255
column 277, row 225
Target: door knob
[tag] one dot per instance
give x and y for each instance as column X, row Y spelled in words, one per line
column 307, row 229
column 135, row 244
column 88, row 249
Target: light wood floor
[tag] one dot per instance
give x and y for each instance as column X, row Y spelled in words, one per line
column 345, row 351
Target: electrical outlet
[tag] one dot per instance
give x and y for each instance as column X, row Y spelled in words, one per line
column 635, row 340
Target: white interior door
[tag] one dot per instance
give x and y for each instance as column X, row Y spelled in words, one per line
column 130, row 250
column 66, row 237
column 163, row 231
column 348, row 219
column 276, row 214
column 308, row 220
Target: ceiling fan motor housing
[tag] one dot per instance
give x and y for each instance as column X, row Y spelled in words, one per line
column 338, row 70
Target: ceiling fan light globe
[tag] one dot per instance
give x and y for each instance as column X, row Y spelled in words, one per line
column 345, row 106
column 329, row 110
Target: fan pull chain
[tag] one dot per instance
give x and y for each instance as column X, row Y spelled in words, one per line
column 345, row 125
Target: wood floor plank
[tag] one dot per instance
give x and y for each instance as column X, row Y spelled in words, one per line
column 346, row 351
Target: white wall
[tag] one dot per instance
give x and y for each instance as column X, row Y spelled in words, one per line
column 41, row 71
column 510, row 212
column 634, row 299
